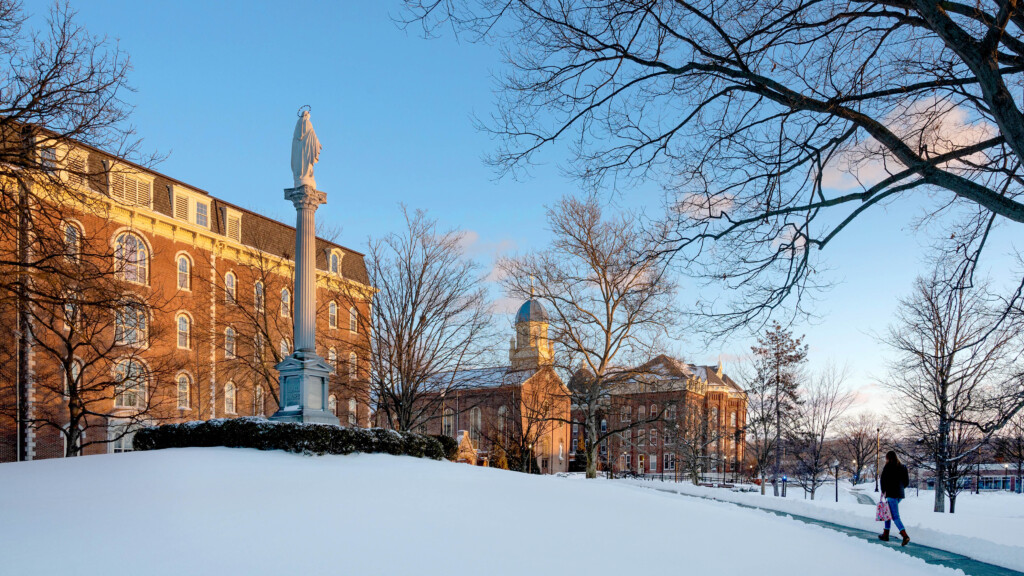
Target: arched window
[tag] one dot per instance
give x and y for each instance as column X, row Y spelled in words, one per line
column 353, row 319
column 641, row 414
column 130, row 324
column 184, row 332
column 604, row 425
column 284, row 348
column 654, row 436
column 259, row 402
column 72, row 242
column 230, row 288
column 625, row 414
column 286, row 303
column 258, row 296
column 475, row 425
column 257, row 347
column 131, row 258
column 448, row 422
column 332, row 314
column 561, row 450
column 184, row 391
column 335, row 264
column 353, row 366
column 332, row 404
column 502, row 417
column 654, row 410
column 229, row 343
column 71, row 380
column 229, row 398
column 184, row 273
column 130, row 387
column 353, row 416
column 332, row 359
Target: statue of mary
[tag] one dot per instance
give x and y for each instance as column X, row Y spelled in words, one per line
column 305, row 151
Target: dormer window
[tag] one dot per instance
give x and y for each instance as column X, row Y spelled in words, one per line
column 202, row 215
column 191, row 207
column 131, row 189
column 335, row 262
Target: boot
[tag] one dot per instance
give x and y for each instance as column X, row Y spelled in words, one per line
column 884, row 536
column 906, row 539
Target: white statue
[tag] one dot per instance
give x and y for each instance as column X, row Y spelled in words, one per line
column 305, row 151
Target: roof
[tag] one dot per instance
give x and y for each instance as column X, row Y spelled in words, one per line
column 532, row 311
column 477, row 378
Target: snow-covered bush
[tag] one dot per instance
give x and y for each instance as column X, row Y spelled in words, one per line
column 290, row 437
column 449, row 444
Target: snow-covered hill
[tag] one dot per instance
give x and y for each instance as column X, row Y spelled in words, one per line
column 231, row 511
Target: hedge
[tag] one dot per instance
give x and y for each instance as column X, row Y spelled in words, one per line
column 291, row 437
column 450, row 445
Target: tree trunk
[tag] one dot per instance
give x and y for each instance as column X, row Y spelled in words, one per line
column 952, row 503
column 762, row 481
column 592, row 447
column 24, row 330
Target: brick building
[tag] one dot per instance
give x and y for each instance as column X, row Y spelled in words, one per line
column 204, row 311
column 516, row 415
column 672, row 416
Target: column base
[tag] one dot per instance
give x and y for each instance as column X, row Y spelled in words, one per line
column 303, row 378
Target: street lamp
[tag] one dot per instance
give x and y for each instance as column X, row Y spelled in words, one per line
column 878, row 431
column 835, row 463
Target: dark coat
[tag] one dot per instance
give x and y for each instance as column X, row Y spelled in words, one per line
column 894, row 479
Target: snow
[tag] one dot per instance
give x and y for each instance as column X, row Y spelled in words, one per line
column 234, row 511
column 988, row 527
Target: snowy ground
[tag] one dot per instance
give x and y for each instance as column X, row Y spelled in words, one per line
column 231, row 511
column 987, row 527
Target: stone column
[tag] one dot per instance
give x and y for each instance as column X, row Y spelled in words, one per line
column 304, row 374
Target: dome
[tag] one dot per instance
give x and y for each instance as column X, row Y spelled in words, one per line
column 531, row 311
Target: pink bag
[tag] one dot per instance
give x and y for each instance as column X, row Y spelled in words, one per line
column 882, row 512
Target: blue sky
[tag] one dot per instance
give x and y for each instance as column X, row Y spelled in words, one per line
column 218, row 85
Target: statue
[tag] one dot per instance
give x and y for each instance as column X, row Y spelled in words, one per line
column 305, row 151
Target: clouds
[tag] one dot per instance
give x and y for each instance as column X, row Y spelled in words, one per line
column 703, row 206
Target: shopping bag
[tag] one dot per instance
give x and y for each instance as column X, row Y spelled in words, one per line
column 882, row 512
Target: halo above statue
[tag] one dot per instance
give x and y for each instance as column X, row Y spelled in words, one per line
column 304, row 108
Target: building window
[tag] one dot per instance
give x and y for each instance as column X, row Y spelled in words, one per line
column 654, row 437
column 670, row 462
column 353, row 320
column 257, row 348
column 202, row 214
column 625, row 415
column 131, row 258
column 640, row 464
column 641, row 438
column 229, row 398
column 352, row 414
column 234, row 227
column 604, row 426
column 641, row 414
column 353, row 366
column 335, row 264
column 286, row 303
column 259, row 402
column 332, row 359
column 475, row 425
column 654, row 462
column 714, row 417
column 332, row 404
column 130, row 325
column 561, row 451
column 284, row 348
column 71, row 380
column 129, row 190
column 184, row 332
column 120, row 437
column 332, row 314
column 184, row 390
column 670, row 413
column 72, row 242
column 184, row 273
column 654, row 411
column 258, row 297
column 732, row 419
column 448, row 423
column 230, row 286
column 130, row 387
column 229, row 343
column 629, row 461
column 629, row 436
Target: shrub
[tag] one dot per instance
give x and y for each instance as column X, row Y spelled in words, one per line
column 450, row 445
column 290, row 437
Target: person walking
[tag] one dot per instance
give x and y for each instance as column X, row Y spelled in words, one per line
column 894, row 479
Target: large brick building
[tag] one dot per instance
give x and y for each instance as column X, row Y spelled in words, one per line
column 203, row 315
column 675, row 418
column 516, row 415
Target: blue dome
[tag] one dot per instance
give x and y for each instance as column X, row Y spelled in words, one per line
column 531, row 311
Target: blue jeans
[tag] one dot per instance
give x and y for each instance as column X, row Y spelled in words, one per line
column 894, row 509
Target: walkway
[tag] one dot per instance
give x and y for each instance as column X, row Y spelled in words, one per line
column 864, row 498
column 930, row 555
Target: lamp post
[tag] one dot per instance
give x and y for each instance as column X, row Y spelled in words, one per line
column 835, row 463
column 878, row 431
column 1006, row 474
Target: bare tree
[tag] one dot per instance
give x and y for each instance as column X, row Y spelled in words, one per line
column 778, row 361
column 773, row 125
column 954, row 369
column 1010, row 447
column 857, row 439
column 430, row 321
column 825, row 400
column 60, row 87
column 694, row 438
column 606, row 287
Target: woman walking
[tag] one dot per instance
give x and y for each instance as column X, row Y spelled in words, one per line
column 894, row 479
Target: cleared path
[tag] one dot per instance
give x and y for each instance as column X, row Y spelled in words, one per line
column 936, row 556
